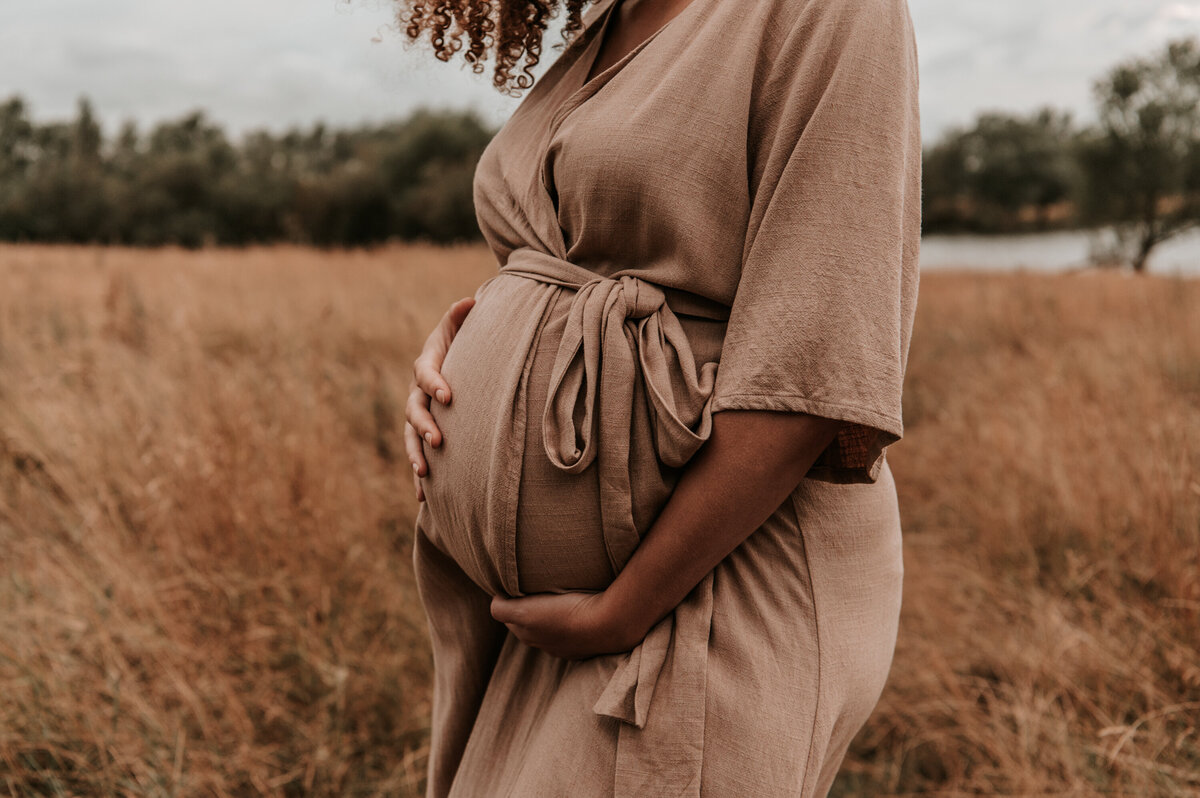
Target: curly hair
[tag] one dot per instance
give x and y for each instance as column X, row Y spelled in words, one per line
column 512, row 29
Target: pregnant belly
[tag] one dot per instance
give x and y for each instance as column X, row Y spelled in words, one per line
column 512, row 519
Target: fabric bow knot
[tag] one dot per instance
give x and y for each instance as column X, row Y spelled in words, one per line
column 616, row 328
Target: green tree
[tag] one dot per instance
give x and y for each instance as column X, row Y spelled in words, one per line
column 988, row 176
column 87, row 135
column 1142, row 160
column 185, row 183
column 16, row 158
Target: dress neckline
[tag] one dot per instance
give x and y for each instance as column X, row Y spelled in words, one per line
column 592, row 52
column 579, row 89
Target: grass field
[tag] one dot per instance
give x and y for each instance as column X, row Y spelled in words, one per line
column 205, row 514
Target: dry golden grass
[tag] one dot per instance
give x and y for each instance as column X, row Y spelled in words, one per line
column 205, row 512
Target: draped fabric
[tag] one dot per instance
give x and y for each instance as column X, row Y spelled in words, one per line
column 727, row 218
column 616, row 326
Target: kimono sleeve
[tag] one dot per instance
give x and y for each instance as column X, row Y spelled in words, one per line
column 823, row 312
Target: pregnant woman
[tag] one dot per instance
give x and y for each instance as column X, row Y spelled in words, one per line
column 659, row 544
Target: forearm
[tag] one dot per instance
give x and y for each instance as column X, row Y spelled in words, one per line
column 750, row 464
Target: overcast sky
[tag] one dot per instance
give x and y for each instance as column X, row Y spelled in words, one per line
column 274, row 63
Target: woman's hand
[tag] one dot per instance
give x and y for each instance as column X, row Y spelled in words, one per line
column 568, row 625
column 428, row 384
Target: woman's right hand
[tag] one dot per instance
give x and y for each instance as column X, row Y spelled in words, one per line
column 427, row 384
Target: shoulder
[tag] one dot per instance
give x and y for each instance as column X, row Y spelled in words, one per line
column 793, row 30
column 842, row 64
column 838, row 19
column 798, row 11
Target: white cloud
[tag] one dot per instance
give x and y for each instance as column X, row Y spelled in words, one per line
column 276, row 63
column 1018, row 55
column 1187, row 12
column 269, row 63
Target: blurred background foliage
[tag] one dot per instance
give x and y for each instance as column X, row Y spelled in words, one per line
column 1136, row 170
column 184, row 182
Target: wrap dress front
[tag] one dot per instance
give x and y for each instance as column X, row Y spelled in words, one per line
column 726, row 218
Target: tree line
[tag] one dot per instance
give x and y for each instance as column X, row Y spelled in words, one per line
column 184, row 182
column 1136, row 170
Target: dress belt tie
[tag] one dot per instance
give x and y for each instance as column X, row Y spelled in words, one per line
column 616, row 325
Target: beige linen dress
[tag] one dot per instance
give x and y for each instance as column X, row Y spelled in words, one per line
column 727, row 218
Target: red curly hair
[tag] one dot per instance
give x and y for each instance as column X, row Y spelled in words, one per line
column 512, row 29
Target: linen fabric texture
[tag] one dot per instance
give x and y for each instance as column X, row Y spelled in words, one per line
column 727, row 218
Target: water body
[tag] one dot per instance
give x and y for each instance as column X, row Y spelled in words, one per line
column 1049, row 252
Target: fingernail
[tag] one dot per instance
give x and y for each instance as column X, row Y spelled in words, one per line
column 415, row 467
column 429, row 438
column 441, row 395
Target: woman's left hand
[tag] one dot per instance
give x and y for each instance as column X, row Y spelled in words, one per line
column 567, row 625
